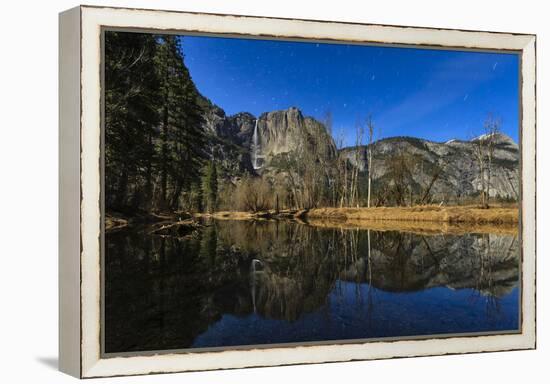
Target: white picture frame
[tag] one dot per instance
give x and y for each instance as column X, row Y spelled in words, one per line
column 80, row 37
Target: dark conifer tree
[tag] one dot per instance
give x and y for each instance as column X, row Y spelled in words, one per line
column 210, row 186
column 154, row 140
column 131, row 116
column 182, row 139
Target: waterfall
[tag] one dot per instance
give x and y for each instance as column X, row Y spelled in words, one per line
column 253, row 281
column 256, row 148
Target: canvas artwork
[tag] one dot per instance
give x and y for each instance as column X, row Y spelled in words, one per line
column 245, row 191
column 261, row 192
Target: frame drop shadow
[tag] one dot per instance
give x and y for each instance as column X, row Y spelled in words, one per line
column 49, row 361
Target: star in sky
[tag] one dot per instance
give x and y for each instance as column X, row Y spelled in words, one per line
column 408, row 91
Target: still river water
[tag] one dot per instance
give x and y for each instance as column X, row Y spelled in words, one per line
column 236, row 283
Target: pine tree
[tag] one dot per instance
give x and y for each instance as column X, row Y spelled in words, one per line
column 182, row 139
column 196, row 197
column 210, row 186
column 131, row 90
column 154, row 140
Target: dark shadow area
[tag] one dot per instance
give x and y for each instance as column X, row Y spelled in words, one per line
column 49, row 361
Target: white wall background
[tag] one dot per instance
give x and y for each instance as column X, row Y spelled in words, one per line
column 28, row 189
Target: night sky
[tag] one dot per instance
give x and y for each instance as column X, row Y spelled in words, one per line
column 432, row 94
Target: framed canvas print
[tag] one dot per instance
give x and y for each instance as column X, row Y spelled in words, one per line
column 250, row 191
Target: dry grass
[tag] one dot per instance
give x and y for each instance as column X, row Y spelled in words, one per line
column 426, row 219
column 500, row 215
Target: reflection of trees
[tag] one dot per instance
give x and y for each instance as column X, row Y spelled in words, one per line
column 161, row 292
column 368, row 276
column 302, row 263
column 487, row 286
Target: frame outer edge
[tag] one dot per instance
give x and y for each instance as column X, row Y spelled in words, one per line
column 69, row 192
column 528, row 126
column 93, row 18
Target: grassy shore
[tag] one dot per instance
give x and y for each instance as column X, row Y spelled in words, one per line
column 417, row 227
column 426, row 219
column 471, row 214
column 420, row 219
column 497, row 215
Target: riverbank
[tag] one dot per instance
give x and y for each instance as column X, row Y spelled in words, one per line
column 467, row 215
column 261, row 215
column 419, row 219
column 471, row 215
column 118, row 220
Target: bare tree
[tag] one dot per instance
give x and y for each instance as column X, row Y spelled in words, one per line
column 254, row 194
column 492, row 129
column 436, row 172
column 370, row 148
column 354, row 190
column 401, row 166
column 308, row 172
column 484, row 148
column 290, row 165
column 342, row 171
column 329, row 163
column 479, row 154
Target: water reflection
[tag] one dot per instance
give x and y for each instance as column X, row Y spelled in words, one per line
column 245, row 282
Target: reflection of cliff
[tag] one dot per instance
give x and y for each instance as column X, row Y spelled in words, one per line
column 161, row 292
column 307, row 259
column 407, row 262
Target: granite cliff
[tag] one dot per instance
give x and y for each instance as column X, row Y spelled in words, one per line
column 453, row 163
column 246, row 144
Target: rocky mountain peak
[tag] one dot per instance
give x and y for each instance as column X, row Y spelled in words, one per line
column 498, row 138
column 277, row 132
column 289, row 130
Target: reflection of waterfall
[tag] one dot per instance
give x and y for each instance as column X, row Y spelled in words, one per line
column 256, row 148
column 253, row 282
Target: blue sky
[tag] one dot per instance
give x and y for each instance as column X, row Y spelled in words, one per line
column 432, row 94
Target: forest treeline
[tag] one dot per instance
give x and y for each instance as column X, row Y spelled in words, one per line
column 155, row 145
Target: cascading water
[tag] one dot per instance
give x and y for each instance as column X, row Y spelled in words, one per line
column 256, row 148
